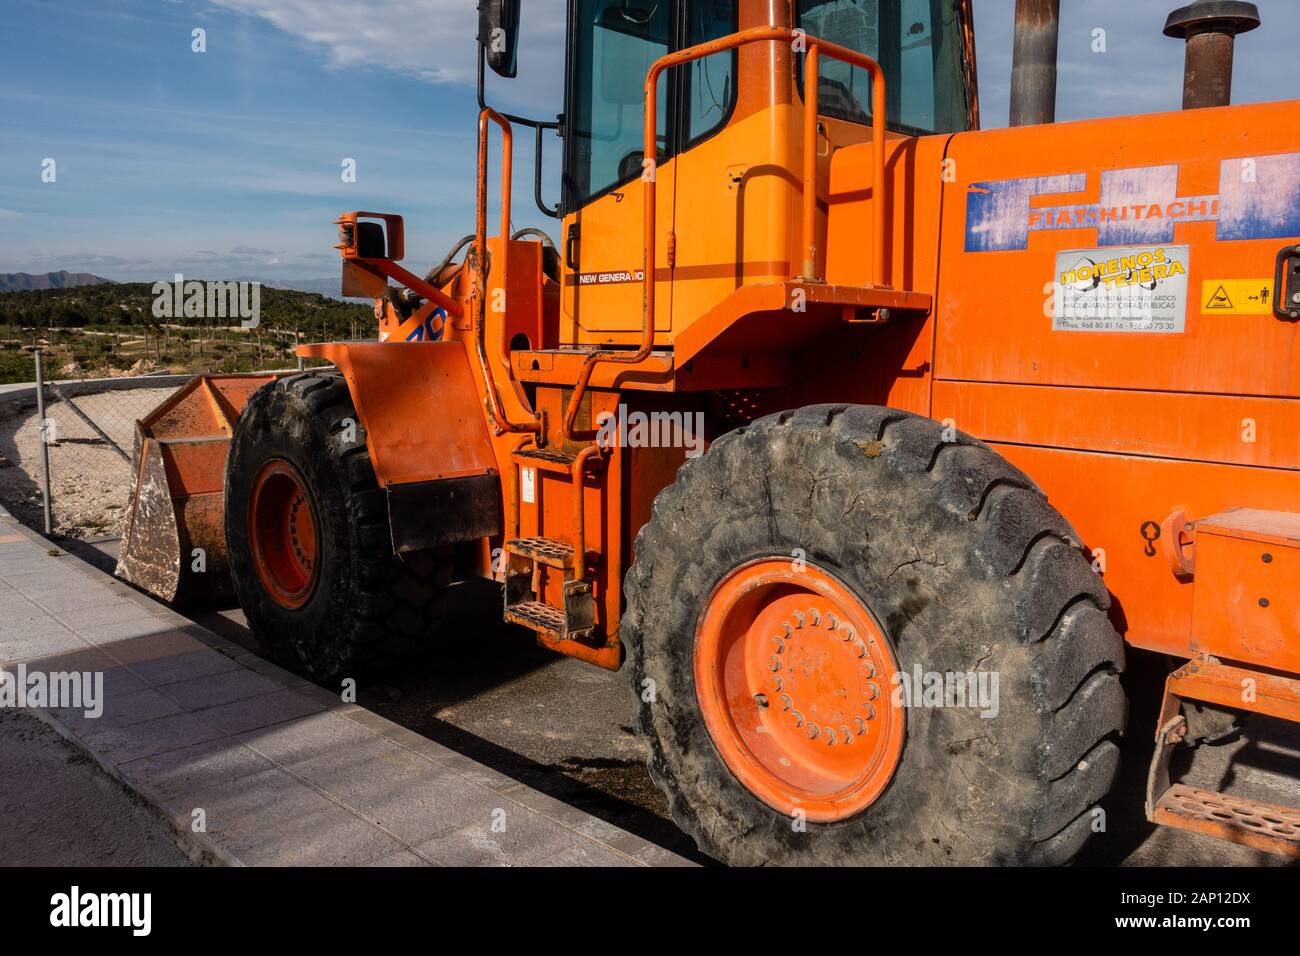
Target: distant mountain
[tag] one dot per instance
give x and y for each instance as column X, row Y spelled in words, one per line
column 25, row 282
column 326, row 287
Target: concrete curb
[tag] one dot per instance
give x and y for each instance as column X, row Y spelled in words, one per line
column 376, row 786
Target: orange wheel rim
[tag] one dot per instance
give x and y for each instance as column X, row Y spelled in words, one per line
column 794, row 678
column 282, row 529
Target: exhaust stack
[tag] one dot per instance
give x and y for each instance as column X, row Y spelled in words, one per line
column 1033, row 62
column 1210, row 28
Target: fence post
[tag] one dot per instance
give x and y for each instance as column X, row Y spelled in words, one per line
column 45, row 445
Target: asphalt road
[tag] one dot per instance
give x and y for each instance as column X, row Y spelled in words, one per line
column 58, row 808
column 563, row 727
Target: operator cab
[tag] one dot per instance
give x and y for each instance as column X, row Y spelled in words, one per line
column 614, row 43
column 729, row 165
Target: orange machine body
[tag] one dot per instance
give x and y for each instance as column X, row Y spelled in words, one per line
column 951, row 317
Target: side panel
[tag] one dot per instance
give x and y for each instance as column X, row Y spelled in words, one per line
column 1110, row 498
column 1231, row 429
column 1223, row 183
column 891, row 364
column 602, row 297
column 420, row 407
column 1189, row 395
column 737, row 215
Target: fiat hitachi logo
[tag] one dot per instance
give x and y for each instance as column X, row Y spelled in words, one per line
column 1258, row 198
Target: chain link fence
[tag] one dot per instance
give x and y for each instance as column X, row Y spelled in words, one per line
column 66, row 447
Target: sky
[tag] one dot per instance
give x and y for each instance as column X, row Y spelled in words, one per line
column 227, row 163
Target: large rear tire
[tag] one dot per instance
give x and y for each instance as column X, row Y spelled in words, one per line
column 785, row 583
column 307, row 533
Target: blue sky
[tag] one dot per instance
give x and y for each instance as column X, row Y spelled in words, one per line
column 226, row 164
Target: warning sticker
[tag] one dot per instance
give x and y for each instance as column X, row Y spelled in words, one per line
column 1120, row 289
column 1237, row 296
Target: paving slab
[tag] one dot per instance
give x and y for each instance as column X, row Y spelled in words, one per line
column 254, row 766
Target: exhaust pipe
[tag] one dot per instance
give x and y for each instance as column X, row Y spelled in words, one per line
column 1210, row 28
column 1033, row 62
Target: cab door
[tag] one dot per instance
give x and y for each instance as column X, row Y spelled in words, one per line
column 612, row 46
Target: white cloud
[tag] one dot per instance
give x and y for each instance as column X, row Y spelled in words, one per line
column 429, row 39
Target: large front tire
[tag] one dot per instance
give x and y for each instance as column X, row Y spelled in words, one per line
column 940, row 559
column 308, row 538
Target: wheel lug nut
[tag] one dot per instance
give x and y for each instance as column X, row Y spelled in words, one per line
column 799, row 619
column 868, row 668
column 872, row 691
column 777, row 682
column 861, row 649
column 859, row 724
column 832, row 622
column 845, row 733
column 816, row 616
column 849, row 634
column 830, row 737
column 774, row 663
column 786, row 702
column 870, row 710
column 761, row 701
column 796, row 718
column 778, row 645
column 789, row 631
column 812, row 731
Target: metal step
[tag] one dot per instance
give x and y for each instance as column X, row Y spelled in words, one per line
column 540, row 617
column 1254, row 823
column 547, row 459
column 548, row 551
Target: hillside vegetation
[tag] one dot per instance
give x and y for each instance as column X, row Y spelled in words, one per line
column 97, row 331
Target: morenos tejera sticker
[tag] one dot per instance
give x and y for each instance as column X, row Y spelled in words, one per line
column 1120, row 289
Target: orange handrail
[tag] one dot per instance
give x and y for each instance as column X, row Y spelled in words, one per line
column 815, row 47
column 500, row 421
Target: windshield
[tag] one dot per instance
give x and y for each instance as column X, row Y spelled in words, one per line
column 615, row 42
column 918, row 45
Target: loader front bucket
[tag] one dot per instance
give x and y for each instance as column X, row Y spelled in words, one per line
column 174, row 545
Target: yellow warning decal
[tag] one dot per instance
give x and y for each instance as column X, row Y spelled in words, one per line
column 1237, row 296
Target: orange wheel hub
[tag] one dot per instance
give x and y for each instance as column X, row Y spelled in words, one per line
column 282, row 529
column 795, row 677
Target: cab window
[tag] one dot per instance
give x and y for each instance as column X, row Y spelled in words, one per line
column 918, row 45
column 615, row 42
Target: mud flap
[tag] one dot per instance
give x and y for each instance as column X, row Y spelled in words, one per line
column 428, row 514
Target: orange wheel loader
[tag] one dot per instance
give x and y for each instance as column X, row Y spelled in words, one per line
column 860, row 439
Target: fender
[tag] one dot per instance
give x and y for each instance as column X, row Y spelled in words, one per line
column 426, row 437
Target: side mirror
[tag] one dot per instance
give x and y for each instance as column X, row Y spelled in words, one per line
column 371, row 235
column 498, row 34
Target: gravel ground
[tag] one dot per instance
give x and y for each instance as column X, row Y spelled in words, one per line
column 89, row 481
column 57, row 808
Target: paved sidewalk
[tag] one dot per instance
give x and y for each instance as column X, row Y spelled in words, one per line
column 256, row 766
